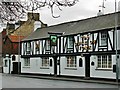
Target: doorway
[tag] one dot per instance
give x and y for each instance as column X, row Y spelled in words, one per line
column 87, row 66
column 15, row 67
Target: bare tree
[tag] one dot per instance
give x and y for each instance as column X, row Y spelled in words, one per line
column 11, row 10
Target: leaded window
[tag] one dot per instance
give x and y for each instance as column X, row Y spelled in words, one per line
column 70, row 42
column 28, row 46
column 71, row 61
column 47, row 44
column 103, row 39
column 45, row 62
column 27, row 62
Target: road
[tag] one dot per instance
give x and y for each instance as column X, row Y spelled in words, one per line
column 9, row 81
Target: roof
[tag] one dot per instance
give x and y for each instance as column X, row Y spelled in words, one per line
column 80, row 26
column 14, row 38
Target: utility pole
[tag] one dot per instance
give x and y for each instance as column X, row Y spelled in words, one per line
column 116, row 43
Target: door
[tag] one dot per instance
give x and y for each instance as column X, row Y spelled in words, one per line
column 15, row 67
column 55, row 65
column 87, row 66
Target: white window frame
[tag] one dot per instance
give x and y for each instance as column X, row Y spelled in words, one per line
column 47, row 44
column 28, row 46
column 104, row 62
column 71, row 61
column 103, row 38
column 45, row 62
column 70, row 42
column 26, row 62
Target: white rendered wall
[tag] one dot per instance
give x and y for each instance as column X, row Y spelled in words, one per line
column 94, row 72
column 35, row 67
column 6, row 69
column 70, row 71
column 118, row 40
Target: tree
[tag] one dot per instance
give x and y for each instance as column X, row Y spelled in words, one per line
column 12, row 10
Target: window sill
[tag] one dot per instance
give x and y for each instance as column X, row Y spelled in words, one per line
column 26, row 67
column 44, row 67
column 104, row 69
column 71, row 68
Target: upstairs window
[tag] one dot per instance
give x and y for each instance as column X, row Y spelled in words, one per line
column 48, row 45
column 103, row 37
column 28, row 46
column 70, row 42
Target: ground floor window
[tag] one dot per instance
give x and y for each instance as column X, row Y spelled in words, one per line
column 104, row 61
column 6, row 63
column 45, row 61
column 71, row 61
column 27, row 62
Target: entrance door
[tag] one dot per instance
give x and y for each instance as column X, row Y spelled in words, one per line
column 15, row 67
column 87, row 66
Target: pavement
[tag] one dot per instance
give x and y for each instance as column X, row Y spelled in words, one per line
column 75, row 79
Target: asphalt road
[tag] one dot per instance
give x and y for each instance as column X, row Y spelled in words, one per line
column 9, row 81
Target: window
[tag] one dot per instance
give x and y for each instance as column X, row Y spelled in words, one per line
column 71, row 61
column 103, row 39
column 70, row 42
column 47, row 44
column 5, row 64
column 104, row 61
column 27, row 62
column 45, row 62
column 28, row 46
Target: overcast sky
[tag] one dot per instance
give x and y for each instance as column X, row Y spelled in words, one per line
column 83, row 9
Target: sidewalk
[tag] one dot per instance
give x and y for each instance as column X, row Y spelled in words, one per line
column 66, row 79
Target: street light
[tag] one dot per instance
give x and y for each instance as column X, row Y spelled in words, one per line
column 116, row 23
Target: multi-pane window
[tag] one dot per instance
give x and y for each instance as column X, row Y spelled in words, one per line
column 28, row 46
column 103, row 39
column 70, row 42
column 47, row 44
column 27, row 62
column 45, row 62
column 104, row 61
column 71, row 61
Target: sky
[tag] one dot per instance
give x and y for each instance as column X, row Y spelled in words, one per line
column 82, row 10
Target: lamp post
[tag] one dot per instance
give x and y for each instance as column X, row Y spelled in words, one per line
column 116, row 43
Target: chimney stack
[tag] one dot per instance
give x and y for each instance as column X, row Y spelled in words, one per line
column 33, row 16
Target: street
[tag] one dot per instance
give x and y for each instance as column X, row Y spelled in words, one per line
column 9, row 81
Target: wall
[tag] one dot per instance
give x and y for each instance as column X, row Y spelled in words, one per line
column 118, row 40
column 101, row 73
column 35, row 67
column 70, row 71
